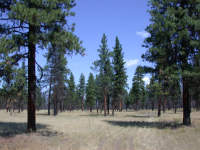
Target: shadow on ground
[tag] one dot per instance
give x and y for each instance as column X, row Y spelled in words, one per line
column 92, row 115
column 145, row 124
column 140, row 116
column 43, row 114
column 11, row 129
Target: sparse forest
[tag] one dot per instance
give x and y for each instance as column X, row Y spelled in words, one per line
column 29, row 28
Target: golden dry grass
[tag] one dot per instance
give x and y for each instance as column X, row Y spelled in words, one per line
column 78, row 130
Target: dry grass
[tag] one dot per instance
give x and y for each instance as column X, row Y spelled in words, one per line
column 77, row 130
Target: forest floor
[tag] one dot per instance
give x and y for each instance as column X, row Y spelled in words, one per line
column 77, row 130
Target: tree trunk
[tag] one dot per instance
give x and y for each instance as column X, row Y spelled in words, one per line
column 61, row 108
column 105, row 105
column 70, row 107
column 136, row 106
column 82, row 107
column 55, row 108
column 19, row 105
column 159, row 107
column 97, row 106
column 186, row 104
column 152, row 105
column 31, row 80
column 120, row 105
column 108, row 105
column 49, row 98
column 175, row 108
column 164, row 103
column 113, row 109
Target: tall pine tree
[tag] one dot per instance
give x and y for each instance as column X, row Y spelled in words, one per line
column 81, row 90
column 103, row 66
column 119, row 77
column 27, row 25
column 174, row 43
column 90, row 92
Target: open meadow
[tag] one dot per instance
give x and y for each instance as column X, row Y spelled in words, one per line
column 77, row 130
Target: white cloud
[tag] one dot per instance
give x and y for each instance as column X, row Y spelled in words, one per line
column 132, row 62
column 146, row 80
column 142, row 34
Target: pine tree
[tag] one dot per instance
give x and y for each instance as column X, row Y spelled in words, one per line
column 9, row 88
column 21, row 86
column 81, row 90
column 119, row 77
column 55, row 74
column 103, row 66
column 90, row 92
column 40, row 98
column 98, row 93
column 173, row 43
column 71, row 91
column 137, row 92
column 126, row 99
column 151, row 93
column 32, row 24
column 174, row 92
column 47, row 82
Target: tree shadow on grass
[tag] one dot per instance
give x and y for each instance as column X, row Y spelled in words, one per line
column 43, row 114
column 145, row 124
column 140, row 116
column 11, row 129
column 92, row 115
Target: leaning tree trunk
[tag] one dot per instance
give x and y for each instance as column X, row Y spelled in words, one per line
column 186, row 104
column 31, row 80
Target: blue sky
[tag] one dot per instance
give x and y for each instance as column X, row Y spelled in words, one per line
column 126, row 19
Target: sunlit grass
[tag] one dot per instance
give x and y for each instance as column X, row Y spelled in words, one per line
column 77, row 130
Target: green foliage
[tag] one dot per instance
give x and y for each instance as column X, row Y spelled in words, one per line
column 119, row 77
column 103, row 65
column 71, row 90
column 98, row 91
column 40, row 98
column 154, row 90
column 29, row 24
column 174, row 36
column 137, row 92
column 81, row 88
column 173, row 44
column 90, row 92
